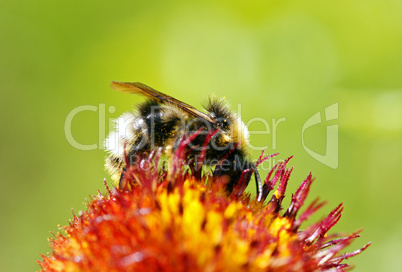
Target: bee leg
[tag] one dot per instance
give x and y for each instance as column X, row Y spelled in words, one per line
column 122, row 181
column 258, row 182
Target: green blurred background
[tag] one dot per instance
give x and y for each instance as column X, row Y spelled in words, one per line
column 279, row 59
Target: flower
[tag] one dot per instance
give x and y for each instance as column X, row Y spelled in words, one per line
column 181, row 218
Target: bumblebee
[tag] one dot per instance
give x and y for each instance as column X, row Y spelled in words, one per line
column 162, row 121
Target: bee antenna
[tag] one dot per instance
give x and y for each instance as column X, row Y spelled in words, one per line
column 258, row 182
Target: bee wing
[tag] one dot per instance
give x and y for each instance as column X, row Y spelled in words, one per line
column 138, row 87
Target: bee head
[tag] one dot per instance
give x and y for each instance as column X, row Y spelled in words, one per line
column 233, row 130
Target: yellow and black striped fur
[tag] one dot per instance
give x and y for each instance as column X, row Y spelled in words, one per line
column 162, row 121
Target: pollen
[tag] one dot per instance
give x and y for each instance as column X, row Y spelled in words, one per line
column 232, row 209
column 176, row 219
